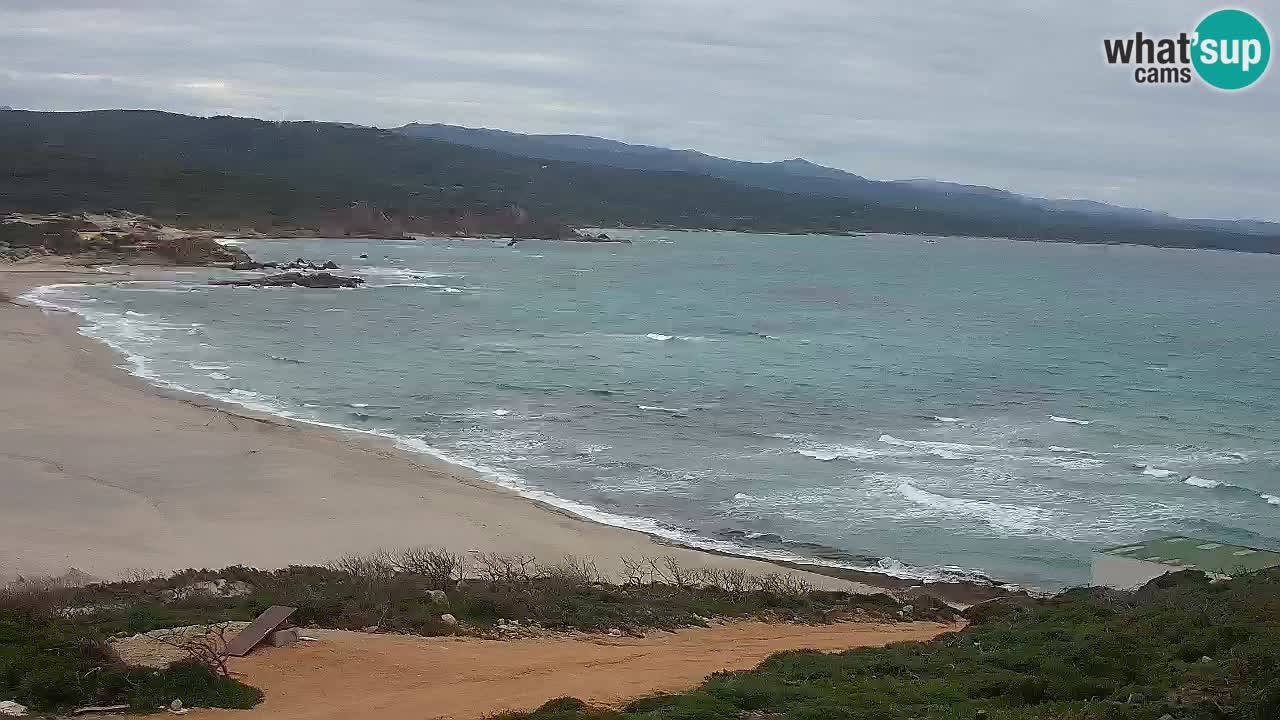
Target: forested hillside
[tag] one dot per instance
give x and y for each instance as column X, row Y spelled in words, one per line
column 247, row 172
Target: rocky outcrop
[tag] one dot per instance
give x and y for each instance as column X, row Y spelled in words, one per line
column 127, row 238
column 300, row 279
column 299, row 264
column 218, row 587
column 601, row 238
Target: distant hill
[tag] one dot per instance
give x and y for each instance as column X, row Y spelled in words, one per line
column 246, row 172
column 801, row 176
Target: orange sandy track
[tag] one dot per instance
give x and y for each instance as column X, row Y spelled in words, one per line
column 396, row 677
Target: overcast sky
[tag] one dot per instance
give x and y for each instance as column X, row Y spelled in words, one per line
column 1007, row 93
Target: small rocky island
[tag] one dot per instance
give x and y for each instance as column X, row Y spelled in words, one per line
column 292, row 278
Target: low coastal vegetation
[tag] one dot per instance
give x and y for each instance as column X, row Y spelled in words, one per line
column 1180, row 648
column 56, row 641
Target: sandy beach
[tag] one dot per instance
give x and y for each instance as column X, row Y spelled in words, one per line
column 106, row 474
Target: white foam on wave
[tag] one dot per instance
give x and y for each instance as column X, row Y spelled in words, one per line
column 1064, row 463
column 398, row 272
column 659, row 408
column 1005, row 518
column 1073, row 421
column 1203, row 482
column 1189, row 455
column 447, row 289
column 823, row 455
column 1061, row 449
column 929, row 446
column 502, row 412
column 219, row 376
column 1156, row 472
column 1271, row 499
column 208, row 366
column 662, row 337
column 945, row 419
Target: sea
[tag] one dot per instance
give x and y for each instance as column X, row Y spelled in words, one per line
column 932, row 408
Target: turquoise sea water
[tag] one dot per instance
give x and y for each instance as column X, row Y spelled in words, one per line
column 928, row 408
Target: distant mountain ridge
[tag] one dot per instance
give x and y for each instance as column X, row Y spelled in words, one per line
column 798, row 175
column 308, row 176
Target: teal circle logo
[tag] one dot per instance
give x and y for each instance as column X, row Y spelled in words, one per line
column 1231, row 49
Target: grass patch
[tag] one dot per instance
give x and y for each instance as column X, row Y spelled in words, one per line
column 1180, row 646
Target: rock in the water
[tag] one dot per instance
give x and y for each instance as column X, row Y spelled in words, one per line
column 300, row 279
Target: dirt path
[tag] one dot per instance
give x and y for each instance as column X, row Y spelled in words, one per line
column 392, row 677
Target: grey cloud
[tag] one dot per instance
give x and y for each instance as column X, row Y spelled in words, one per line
column 1003, row 93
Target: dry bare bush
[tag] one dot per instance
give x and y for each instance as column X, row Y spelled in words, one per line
column 137, row 576
column 783, row 584
column 45, row 595
column 667, row 570
column 572, row 570
column 497, row 567
column 206, row 645
column 378, row 565
column 440, row 568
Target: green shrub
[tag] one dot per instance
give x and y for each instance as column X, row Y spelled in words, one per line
column 1083, row 655
column 50, row 663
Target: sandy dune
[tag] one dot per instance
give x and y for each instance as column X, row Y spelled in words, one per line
column 397, row 677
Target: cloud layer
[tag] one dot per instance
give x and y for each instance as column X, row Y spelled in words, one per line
column 1002, row 93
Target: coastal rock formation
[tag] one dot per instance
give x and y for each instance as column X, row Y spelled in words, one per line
column 117, row 238
column 299, row 264
column 218, row 587
column 601, row 238
column 300, row 279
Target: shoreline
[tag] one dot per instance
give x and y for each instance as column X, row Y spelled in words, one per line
column 523, row 524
